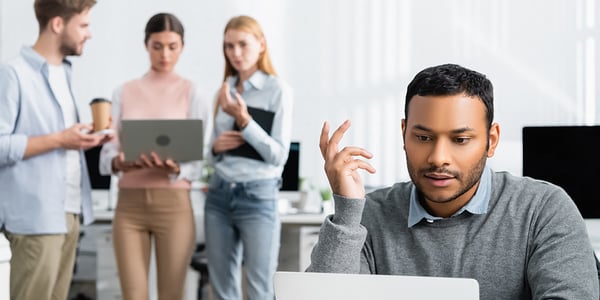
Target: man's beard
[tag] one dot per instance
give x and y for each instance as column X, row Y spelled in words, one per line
column 473, row 177
column 69, row 47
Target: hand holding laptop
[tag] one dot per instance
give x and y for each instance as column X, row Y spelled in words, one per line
column 152, row 160
column 179, row 140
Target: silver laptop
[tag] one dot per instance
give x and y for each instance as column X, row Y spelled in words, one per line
column 178, row 139
column 329, row 286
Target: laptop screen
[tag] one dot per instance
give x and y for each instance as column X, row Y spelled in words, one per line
column 330, row 286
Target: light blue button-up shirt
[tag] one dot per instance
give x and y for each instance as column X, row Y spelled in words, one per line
column 33, row 190
column 266, row 92
column 477, row 205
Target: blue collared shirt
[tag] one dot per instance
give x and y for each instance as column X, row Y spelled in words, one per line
column 265, row 92
column 33, row 190
column 477, row 205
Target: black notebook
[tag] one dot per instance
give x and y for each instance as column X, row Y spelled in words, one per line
column 264, row 118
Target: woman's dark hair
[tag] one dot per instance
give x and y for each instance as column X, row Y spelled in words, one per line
column 163, row 22
column 450, row 79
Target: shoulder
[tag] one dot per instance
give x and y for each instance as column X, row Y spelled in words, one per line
column 531, row 195
column 131, row 82
column 7, row 70
column 195, row 88
column 507, row 183
column 390, row 198
column 276, row 83
column 15, row 65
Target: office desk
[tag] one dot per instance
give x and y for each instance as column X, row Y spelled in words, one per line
column 299, row 234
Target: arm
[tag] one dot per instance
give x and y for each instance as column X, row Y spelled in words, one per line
column 12, row 146
column 272, row 147
column 15, row 147
column 341, row 240
column 74, row 137
column 342, row 236
column 561, row 262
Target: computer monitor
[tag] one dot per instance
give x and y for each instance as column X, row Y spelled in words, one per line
column 291, row 171
column 568, row 156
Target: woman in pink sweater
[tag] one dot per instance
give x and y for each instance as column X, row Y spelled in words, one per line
column 154, row 195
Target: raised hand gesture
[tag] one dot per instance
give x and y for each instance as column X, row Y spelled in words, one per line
column 341, row 166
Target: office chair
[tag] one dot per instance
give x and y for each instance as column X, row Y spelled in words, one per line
column 200, row 264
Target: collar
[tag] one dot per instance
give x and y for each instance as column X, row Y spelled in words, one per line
column 256, row 81
column 478, row 205
column 37, row 61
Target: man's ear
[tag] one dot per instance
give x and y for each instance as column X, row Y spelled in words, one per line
column 404, row 133
column 56, row 25
column 494, row 138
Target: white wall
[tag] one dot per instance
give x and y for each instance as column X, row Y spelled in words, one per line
column 354, row 58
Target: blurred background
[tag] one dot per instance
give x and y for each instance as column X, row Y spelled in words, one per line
column 352, row 59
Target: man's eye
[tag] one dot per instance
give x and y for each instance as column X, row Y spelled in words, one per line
column 423, row 138
column 462, row 140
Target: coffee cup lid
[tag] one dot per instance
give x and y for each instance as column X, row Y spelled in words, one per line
column 98, row 100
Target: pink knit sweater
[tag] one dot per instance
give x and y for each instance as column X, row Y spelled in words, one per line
column 155, row 96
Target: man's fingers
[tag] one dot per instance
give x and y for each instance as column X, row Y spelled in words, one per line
column 356, row 164
column 324, row 140
column 336, row 137
column 350, row 156
column 352, row 151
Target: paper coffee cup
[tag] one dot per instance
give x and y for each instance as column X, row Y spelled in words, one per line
column 100, row 113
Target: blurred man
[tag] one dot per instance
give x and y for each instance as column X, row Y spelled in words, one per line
column 43, row 175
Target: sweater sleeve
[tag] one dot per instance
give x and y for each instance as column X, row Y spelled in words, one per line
column 341, row 239
column 561, row 260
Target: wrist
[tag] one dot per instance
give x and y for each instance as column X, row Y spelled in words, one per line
column 243, row 121
column 56, row 140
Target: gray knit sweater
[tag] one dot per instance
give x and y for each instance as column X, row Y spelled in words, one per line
column 531, row 244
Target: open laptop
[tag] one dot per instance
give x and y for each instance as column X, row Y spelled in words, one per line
column 329, row 286
column 178, row 139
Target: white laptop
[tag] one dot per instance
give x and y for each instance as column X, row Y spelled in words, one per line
column 329, row 286
column 177, row 139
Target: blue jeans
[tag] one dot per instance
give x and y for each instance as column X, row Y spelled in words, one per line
column 242, row 225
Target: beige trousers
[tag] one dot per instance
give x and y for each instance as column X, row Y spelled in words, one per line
column 162, row 215
column 41, row 266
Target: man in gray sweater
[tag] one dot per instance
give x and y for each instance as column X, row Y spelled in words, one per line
column 520, row 238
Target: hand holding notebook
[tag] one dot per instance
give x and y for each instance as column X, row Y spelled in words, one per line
column 264, row 118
